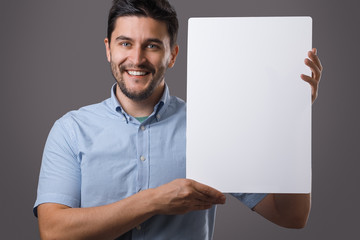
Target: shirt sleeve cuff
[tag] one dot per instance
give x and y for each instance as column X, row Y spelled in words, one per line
column 250, row 199
column 55, row 198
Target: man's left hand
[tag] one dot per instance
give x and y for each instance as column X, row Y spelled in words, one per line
column 316, row 68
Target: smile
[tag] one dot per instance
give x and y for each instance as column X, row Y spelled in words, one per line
column 137, row 73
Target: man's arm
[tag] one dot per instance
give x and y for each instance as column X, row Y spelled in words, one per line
column 180, row 196
column 286, row 210
column 292, row 210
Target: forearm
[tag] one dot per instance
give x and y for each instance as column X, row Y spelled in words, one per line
column 293, row 209
column 104, row 222
column 286, row 210
column 110, row 221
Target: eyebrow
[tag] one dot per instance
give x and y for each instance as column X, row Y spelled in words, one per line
column 121, row 37
column 155, row 40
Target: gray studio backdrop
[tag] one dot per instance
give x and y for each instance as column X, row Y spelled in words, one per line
column 53, row 60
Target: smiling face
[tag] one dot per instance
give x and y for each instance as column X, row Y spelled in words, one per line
column 139, row 54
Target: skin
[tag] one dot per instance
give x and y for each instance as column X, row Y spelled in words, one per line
column 142, row 44
column 313, row 62
column 146, row 50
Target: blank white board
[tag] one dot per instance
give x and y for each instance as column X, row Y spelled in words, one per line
column 248, row 111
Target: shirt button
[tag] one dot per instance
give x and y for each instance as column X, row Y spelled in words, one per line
column 142, row 158
column 143, row 127
column 158, row 117
column 138, row 227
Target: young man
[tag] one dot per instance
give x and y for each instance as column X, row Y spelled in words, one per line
column 117, row 169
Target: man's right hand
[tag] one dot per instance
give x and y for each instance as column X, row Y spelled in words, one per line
column 57, row 221
column 184, row 195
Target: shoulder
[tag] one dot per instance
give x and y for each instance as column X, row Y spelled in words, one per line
column 174, row 108
column 88, row 113
column 177, row 101
column 177, row 105
column 86, row 120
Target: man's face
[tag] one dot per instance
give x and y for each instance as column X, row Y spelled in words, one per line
column 139, row 54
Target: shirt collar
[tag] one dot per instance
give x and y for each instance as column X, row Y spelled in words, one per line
column 159, row 108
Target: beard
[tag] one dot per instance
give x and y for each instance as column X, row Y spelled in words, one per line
column 118, row 73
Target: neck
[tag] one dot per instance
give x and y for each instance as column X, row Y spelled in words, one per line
column 140, row 108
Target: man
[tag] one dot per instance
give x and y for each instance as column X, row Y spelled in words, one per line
column 117, row 169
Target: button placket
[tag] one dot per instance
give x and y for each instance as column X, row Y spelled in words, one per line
column 143, row 163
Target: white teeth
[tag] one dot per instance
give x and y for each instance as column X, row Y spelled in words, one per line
column 136, row 73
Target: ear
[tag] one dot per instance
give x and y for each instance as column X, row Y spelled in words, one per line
column 107, row 47
column 173, row 56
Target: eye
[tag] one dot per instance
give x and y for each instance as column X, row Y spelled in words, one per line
column 152, row 46
column 125, row 44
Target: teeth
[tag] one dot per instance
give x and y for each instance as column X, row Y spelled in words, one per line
column 137, row 73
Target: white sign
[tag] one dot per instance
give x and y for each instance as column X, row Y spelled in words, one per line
column 248, row 110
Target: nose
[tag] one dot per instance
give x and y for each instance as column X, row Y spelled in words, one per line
column 137, row 55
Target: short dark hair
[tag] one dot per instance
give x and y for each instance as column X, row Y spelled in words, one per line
column 160, row 10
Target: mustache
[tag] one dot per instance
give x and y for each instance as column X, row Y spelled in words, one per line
column 142, row 67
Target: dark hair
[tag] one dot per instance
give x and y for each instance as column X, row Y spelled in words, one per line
column 160, row 10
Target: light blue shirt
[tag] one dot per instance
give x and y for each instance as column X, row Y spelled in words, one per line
column 99, row 154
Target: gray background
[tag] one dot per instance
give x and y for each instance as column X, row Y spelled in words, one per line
column 53, row 60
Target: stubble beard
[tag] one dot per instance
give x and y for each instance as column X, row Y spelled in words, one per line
column 118, row 72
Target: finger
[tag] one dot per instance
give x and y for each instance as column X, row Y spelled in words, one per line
column 308, row 79
column 195, row 191
column 197, row 201
column 313, row 56
column 206, row 199
column 208, row 192
column 313, row 84
column 202, row 207
column 314, row 69
column 199, row 198
column 195, row 207
column 201, row 202
column 314, row 50
column 191, row 206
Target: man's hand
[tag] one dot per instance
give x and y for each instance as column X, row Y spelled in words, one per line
column 57, row 221
column 184, row 195
column 316, row 68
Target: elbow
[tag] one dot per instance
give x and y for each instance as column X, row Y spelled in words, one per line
column 295, row 221
column 297, row 217
column 46, row 236
column 49, row 235
column 286, row 210
column 52, row 230
column 52, row 223
column 296, row 225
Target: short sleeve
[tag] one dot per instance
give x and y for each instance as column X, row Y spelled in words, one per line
column 249, row 199
column 60, row 178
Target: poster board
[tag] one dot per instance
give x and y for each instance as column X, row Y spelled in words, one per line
column 248, row 111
